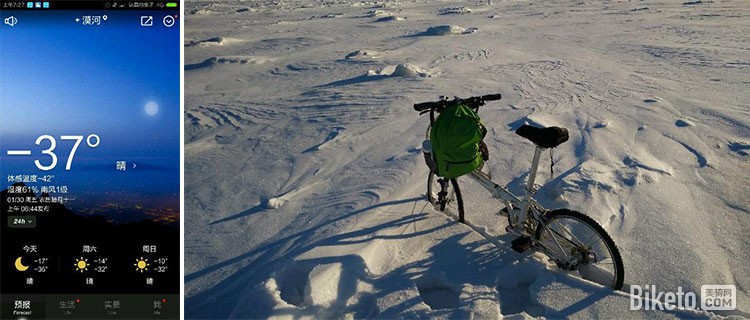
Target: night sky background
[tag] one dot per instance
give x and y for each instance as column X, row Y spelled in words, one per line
column 62, row 78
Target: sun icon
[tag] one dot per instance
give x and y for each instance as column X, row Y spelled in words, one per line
column 82, row 264
column 141, row 264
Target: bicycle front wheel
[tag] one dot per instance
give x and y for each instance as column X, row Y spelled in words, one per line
column 577, row 243
column 444, row 194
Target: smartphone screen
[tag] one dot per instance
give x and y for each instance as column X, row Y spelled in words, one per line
column 90, row 159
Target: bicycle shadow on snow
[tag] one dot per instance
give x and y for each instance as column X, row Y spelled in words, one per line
column 437, row 281
column 222, row 298
column 443, row 281
column 299, row 236
column 266, row 260
column 459, row 280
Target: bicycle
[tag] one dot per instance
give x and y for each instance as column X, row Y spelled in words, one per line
column 574, row 241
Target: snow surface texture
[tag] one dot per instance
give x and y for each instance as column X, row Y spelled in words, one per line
column 305, row 180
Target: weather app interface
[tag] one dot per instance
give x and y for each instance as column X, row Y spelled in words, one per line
column 90, row 160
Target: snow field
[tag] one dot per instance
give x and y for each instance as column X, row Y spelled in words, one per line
column 305, row 179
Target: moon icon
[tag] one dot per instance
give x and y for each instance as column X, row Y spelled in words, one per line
column 151, row 108
column 20, row 266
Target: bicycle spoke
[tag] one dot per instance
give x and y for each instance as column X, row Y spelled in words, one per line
column 601, row 261
column 562, row 236
column 557, row 222
column 589, row 244
column 555, row 242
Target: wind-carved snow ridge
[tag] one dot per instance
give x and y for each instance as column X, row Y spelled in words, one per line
column 275, row 203
column 445, row 30
column 390, row 18
column 383, row 16
column 377, row 13
column 217, row 41
column 364, row 55
column 305, row 181
column 404, row 70
column 454, row 10
column 212, row 61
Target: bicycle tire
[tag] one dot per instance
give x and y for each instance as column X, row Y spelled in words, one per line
column 454, row 196
column 604, row 238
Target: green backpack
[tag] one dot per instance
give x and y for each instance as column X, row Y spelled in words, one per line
column 455, row 138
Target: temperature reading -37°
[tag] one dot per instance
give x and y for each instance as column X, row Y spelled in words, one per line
column 92, row 141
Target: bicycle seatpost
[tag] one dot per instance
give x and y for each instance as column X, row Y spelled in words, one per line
column 529, row 190
column 534, row 168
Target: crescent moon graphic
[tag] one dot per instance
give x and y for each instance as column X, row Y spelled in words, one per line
column 20, row 266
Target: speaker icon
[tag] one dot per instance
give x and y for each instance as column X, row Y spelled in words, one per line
column 11, row 21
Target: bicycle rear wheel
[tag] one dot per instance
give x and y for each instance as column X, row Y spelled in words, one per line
column 445, row 195
column 568, row 233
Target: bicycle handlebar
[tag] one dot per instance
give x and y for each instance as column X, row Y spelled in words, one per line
column 473, row 102
column 492, row 97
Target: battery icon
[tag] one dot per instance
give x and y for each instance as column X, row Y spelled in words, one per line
column 171, row 4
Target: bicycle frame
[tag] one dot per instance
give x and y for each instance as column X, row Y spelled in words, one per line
column 510, row 199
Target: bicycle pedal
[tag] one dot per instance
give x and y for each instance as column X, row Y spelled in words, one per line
column 521, row 244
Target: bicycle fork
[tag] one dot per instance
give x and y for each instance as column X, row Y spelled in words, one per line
column 443, row 194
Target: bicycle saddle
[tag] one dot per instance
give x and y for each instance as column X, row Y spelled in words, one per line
column 544, row 137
